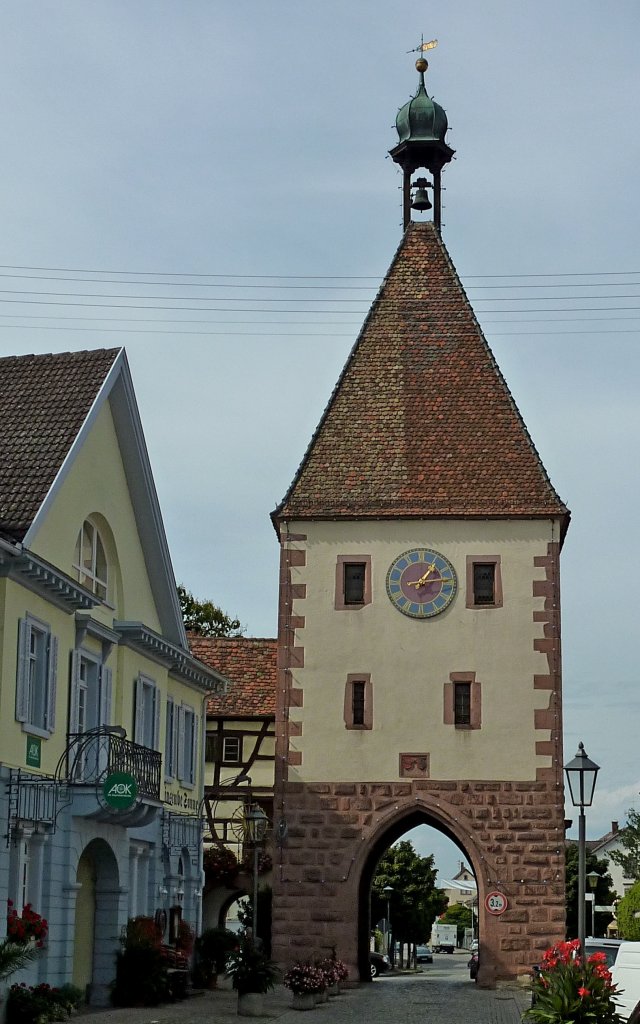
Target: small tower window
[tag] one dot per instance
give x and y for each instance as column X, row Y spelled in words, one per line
column 90, row 561
column 357, row 701
column 354, row 573
column 462, row 703
column 484, row 578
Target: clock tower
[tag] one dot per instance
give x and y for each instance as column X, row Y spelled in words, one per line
column 419, row 620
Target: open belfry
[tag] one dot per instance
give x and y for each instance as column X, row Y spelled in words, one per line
column 419, row 672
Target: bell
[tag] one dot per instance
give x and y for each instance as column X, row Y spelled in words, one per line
column 421, row 199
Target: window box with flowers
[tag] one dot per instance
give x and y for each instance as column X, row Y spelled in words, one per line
column 568, row 989
column 26, row 928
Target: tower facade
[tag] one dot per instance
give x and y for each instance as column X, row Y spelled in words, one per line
column 419, row 633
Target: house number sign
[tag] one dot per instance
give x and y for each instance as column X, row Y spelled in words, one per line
column 496, row 903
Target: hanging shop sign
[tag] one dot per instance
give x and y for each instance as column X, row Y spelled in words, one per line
column 120, row 790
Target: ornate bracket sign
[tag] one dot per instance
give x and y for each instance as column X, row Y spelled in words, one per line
column 120, row 791
column 496, row 903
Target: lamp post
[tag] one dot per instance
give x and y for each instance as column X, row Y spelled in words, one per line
column 388, row 891
column 255, row 828
column 581, row 775
column 592, row 880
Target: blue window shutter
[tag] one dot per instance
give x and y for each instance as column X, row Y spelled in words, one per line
column 138, row 724
column 106, row 682
column 75, row 692
column 194, row 749
column 52, row 679
column 181, row 724
column 156, row 718
column 22, row 680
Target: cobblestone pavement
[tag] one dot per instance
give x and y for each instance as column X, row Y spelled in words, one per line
column 438, row 994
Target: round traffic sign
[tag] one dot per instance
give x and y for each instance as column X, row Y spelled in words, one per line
column 496, row 903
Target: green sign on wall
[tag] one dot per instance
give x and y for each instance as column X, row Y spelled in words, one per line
column 120, row 790
column 34, row 751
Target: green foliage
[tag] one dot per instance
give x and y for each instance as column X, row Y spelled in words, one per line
column 628, row 907
column 212, row 950
column 568, row 991
column 14, row 956
column 251, row 970
column 415, row 901
column 604, row 891
column 40, row 1004
column 265, row 904
column 629, row 857
column 205, row 618
column 141, row 977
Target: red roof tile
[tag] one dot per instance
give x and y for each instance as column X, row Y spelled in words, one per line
column 44, row 400
column 421, row 422
column 250, row 663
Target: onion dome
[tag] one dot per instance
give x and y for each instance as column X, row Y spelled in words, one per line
column 421, row 119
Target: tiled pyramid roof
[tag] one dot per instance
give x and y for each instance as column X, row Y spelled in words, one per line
column 44, row 400
column 251, row 665
column 421, row 422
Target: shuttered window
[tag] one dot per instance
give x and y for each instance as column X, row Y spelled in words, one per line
column 36, row 676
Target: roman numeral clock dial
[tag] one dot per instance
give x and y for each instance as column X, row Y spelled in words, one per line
column 421, row 583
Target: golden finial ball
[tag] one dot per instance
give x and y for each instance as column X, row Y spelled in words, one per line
column 422, row 65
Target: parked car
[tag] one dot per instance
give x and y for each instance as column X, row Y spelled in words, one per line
column 424, row 955
column 609, row 947
column 379, row 964
column 473, row 965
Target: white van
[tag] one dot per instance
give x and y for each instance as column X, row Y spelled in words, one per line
column 625, row 973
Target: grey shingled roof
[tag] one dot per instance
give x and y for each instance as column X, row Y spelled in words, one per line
column 44, row 400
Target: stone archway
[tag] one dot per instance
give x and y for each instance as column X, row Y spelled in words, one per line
column 96, row 921
column 397, row 826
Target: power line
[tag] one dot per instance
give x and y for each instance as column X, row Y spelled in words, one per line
column 291, row 323
column 302, row 277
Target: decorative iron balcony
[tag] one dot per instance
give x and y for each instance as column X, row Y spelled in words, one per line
column 91, row 756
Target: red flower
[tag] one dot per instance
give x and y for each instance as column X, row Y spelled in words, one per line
column 582, row 992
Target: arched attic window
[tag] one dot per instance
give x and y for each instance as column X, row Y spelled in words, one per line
column 90, row 561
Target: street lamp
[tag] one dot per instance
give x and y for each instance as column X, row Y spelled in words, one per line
column 581, row 775
column 592, row 880
column 388, row 891
column 256, row 823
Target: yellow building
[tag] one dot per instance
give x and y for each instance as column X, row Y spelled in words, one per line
column 101, row 702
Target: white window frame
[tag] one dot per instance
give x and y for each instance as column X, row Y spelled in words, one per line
column 231, row 740
column 88, row 575
column 146, row 723
column 37, row 671
column 187, row 745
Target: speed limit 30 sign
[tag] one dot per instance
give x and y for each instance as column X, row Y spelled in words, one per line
column 496, row 903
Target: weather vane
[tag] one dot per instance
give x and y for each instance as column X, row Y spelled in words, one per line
column 431, row 45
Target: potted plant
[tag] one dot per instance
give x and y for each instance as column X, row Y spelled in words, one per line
column 567, row 988
column 305, row 981
column 14, row 956
column 252, row 974
column 212, row 949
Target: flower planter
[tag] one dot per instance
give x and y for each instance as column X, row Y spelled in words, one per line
column 251, row 1004
column 334, row 990
column 304, row 1000
column 322, row 996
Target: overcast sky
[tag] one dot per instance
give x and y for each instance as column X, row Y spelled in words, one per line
column 244, row 139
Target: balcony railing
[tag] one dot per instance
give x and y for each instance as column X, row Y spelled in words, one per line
column 91, row 756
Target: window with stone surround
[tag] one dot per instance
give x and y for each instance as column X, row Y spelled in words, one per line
column 484, row 581
column 358, row 702
column 353, row 582
column 462, row 701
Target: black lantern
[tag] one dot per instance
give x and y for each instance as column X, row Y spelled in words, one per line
column 582, row 773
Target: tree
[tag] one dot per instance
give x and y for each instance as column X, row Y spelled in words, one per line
column 629, row 857
column 628, row 907
column 604, row 892
column 415, row 901
column 205, row 618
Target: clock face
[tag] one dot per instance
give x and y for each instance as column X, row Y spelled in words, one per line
column 421, row 583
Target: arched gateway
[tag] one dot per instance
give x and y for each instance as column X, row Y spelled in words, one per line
column 419, row 627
